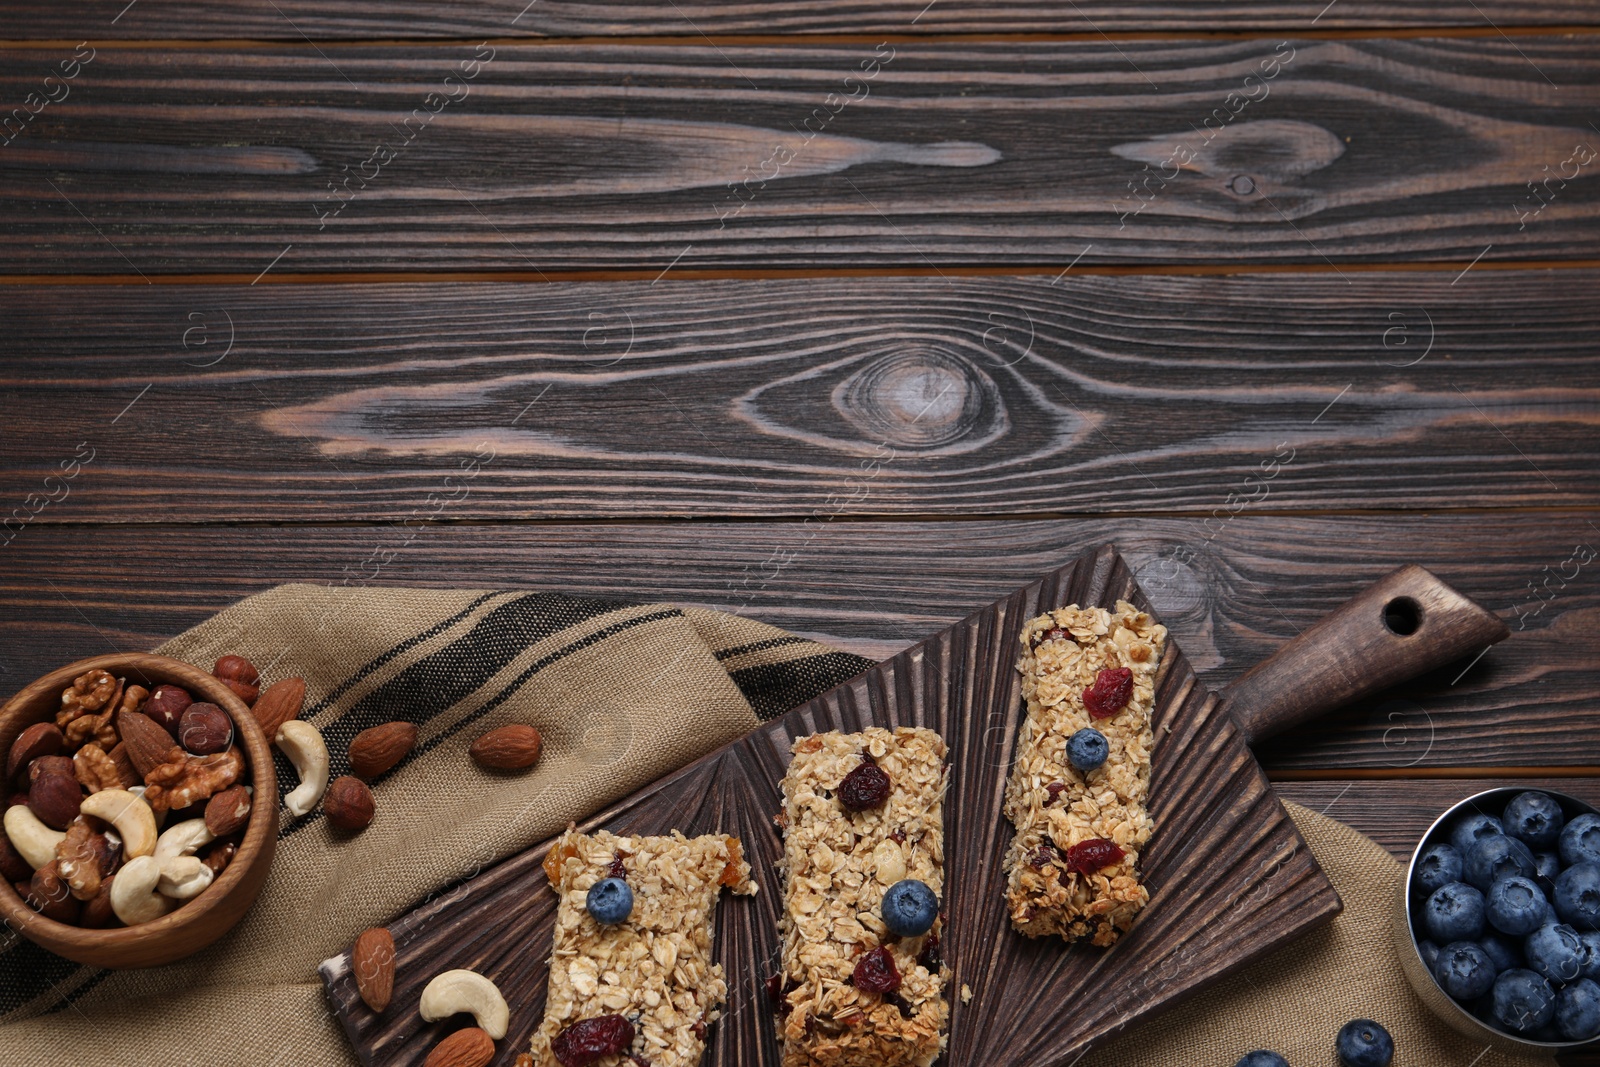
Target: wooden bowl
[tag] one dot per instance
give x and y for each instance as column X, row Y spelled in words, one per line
column 208, row 916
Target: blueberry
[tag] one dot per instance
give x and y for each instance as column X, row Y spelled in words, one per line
column 1534, row 819
column 1437, row 865
column 1261, row 1058
column 1578, row 1010
column 1546, row 866
column 1464, row 970
column 1555, row 952
column 1429, row 953
column 1492, row 858
column 1473, row 827
column 1580, row 841
column 1087, row 749
column 610, row 901
column 1589, row 966
column 909, row 908
column 1505, row 951
column 1515, row 905
column 1523, row 1001
column 1577, row 896
column 1454, row 913
column 1364, row 1043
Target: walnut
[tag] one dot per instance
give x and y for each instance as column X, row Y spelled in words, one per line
column 92, row 728
column 95, row 769
column 89, row 692
column 187, row 780
column 85, row 857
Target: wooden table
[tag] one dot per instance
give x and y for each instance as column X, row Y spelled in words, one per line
column 850, row 317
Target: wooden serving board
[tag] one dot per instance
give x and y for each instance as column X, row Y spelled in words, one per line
column 1229, row 876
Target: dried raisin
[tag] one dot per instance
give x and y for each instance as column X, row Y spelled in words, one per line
column 875, row 972
column 865, row 787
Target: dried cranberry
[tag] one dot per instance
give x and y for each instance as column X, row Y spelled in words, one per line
column 639, row 1061
column 898, row 837
column 1089, row 856
column 1110, row 692
column 875, row 972
column 1056, row 634
column 778, row 990
column 588, row 1040
column 930, row 958
column 865, row 787
column 1055, row 789
column 617, row 870
column 900, row 1002
column 1041, row 857
column 699, row 1028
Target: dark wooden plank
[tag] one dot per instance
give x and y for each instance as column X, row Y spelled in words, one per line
column 1396, row 814
column 818, row 397
column 876, row 587
column 295, row 19
column 650, row 157
column 1229, row 875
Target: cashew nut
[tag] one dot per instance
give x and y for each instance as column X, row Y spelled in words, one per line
column 139, row 791
column 183, row 877
column 129, row 814
column 303, row 744
column 183, row 839
column 33, row 840
column 468, row 991
column 133, row 892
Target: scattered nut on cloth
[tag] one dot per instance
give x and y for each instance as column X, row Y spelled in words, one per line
column 621, row 694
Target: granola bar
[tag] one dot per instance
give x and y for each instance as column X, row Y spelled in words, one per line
column 850, row 993
column 1072, row 868
column 654, row 968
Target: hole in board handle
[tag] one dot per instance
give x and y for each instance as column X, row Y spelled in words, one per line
column 1402, row 616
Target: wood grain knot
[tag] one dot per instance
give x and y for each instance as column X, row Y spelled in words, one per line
column 920, row 397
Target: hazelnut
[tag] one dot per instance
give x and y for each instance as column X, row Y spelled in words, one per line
column 49, row 895
column 97, row 912
column 44, row 765
column 167, row 705
column 40, row 739
column 205, row 729
column 13, row 868
column 348, row 803
column 55, row 799
column 240, row 675
column 228, row 811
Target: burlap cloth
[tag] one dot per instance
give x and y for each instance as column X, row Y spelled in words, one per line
column 622, row 693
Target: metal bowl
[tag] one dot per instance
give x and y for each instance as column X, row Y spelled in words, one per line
column 1489, row 802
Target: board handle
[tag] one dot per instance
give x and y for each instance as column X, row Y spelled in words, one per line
column 1405, row 624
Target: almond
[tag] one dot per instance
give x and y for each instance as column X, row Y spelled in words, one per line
column 377, row 750
column 40, row 739
column 278, row 703
column 464, row 1048
column 228, row 811
column 145, row 741
column 510, row 748
column 372, row 962
column 348, row 803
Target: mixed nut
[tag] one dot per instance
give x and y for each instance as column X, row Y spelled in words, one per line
column 93, row 786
